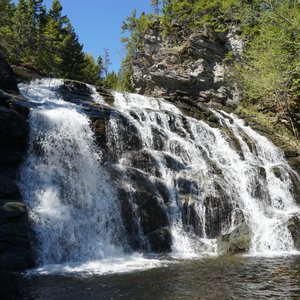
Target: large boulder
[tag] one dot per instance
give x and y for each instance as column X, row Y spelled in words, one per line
column 8, row 81
column 236, row 241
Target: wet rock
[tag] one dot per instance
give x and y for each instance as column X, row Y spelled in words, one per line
column 75, row 91
column 294, row 227
column 277, row 172
column 15, row 236
column 173, row 164
column 123, row 136
column 219, row 209
column 153, row 212
column 236, row 241
column 8, row 187
column 144, row 161
column 160, row 240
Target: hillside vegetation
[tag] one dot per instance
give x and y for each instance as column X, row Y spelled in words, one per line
column 267, row 73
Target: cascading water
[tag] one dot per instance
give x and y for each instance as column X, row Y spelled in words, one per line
column 268, row 214
column 161, row 177
column 73, row 206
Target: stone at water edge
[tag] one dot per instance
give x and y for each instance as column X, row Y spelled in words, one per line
column 160, row 240
column 236, row 241
column 294, row 227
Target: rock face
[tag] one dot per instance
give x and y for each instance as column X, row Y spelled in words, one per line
column 193, row 70
column 8, row 80
column 15, row 248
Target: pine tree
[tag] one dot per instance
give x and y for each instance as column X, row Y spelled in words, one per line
column 6, row 35
column 91, row 70
column 106, row 61
column 21, row 30
column 72, row 56
column 53, row 38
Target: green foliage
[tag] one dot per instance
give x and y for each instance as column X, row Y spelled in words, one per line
column 110, row 81
column 271, row 57
column 137, row 28
column 91, row 71
column 29, row 35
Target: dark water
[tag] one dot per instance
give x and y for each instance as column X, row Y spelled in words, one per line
column 214, row 278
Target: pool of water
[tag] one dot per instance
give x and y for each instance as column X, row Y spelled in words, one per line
column 231, row 277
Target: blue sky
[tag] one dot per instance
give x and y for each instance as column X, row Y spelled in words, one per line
column 98, row 23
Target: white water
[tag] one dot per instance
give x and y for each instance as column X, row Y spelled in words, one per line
column 268, row 218
column 194, row 144
column 74, row 206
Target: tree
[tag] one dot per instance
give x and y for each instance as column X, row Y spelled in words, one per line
column 111, row 81
column 72, row 56
column 6, row 34
column 21, row 30
column 91, row 70
column 270, row 69
column 53, row 38
column 106, row 61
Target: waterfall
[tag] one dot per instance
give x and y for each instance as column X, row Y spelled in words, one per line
column 160, row 181
column 269, row 213
column 73, row 206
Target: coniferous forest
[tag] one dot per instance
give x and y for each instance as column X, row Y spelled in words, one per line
column 45, row 40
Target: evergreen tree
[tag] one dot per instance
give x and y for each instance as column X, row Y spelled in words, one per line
column 111, row 81
column 21, row 31
column 53, row 38
column 72, row 56
column 156, row 5
column 6, row 34
column 91, row 70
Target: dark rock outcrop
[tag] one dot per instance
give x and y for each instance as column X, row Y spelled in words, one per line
column 15, row 246
column 8, row 81
column 294, row 227
column 26, row 73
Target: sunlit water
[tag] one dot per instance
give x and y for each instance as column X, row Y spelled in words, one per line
column 210, row 279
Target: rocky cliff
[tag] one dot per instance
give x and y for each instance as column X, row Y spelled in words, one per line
column 193, row 74
column 193, row 69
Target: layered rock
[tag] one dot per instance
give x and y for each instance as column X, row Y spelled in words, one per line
column 192, row 70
